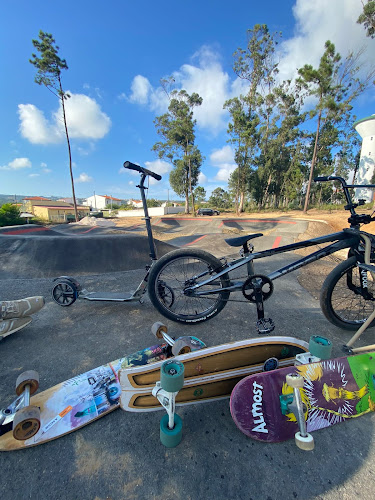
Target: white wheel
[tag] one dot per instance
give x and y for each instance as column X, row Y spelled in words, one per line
column 158, row 328
column 180, row 347
column 294, row 380
column 30, row 378
column 304, row 442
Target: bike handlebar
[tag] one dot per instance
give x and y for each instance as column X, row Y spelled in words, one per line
column 343, row 182
column 142, row 170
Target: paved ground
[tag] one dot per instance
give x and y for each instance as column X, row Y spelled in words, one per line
column 120, row 456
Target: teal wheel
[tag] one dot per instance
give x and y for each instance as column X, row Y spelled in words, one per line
column 172, row 376
column 320, row 347
column 170, row 437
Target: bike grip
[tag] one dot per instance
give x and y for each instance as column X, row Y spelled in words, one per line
column 138, row 168
column 322, row 179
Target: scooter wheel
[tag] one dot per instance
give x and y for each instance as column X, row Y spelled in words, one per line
column 172, row 376
column 170, row 437
column 64, row 293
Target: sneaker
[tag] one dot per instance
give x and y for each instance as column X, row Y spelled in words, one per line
column 20, row 308
column 9, row 326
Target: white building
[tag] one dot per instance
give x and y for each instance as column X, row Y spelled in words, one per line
column 366, row 129
column 98, row 202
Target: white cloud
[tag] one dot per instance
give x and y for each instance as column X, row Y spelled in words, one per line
column 84, row 117
column 34, row 175
column 317, row 22
column 223, row 159
column 84, row 178
column 17, row 164
column 206, row 77
column 160, row 167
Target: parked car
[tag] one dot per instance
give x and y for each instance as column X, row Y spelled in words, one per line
column 208, row 211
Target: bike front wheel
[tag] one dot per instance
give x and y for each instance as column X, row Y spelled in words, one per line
column 179, row 270
column 345, row 300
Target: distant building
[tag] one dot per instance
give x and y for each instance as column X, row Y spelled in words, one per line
column 135, row 203
column 98, row 202
column 52, row 211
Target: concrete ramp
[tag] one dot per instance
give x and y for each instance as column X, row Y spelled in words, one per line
column 28, row 256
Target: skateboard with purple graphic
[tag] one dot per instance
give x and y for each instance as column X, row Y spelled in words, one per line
column 32, row 419
column 293, row 402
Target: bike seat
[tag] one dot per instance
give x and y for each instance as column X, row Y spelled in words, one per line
column 241, row 240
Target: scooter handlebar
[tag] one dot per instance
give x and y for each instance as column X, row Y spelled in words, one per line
column 138, row 168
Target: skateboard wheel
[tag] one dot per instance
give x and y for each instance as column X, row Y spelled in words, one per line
column 180, row 347
column 170, row 437
column 158, row 328
column 270, row 364
column 304, row 442
column 294, row 380
column 172, row 376
column 31, row 378
column 26, row 423
column 320, row 347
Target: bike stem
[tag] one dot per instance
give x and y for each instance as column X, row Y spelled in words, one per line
column 150, row 237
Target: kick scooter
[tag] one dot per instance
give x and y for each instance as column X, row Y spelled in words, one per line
column 66, row 290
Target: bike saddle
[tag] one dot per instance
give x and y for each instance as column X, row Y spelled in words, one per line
column 241, row 240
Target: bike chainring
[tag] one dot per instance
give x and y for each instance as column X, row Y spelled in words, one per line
column 254, row 281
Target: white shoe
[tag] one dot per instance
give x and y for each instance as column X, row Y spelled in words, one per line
column 20, row 308
column 9, row 326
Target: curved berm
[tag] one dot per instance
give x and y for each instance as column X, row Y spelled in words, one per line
column 49, row 254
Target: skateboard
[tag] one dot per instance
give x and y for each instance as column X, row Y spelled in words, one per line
column 33, row 419
column 209, row 374
column 293, row 402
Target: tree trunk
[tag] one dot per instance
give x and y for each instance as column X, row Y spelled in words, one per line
column 313, row 161
column 70, row 153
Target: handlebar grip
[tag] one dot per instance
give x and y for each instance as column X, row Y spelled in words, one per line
column 322, row 179
column 138, row 168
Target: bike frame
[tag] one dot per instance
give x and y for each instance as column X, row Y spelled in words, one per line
column 348, row 238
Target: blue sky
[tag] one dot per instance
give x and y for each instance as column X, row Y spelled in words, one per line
column 117, row 52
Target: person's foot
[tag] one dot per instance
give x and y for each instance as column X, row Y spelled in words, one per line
column 9, row 326
column 20, row 308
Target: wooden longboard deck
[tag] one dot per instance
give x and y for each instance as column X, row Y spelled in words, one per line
column 334, row 391
column 209, row 374
column 72, row 404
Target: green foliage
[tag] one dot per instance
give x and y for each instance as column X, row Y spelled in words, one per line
column 151, row 202
column 10, row 215
column 220, row 199
column 200, row 194
column 367, row 18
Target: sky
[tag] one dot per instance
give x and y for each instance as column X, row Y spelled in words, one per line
column 117, row 52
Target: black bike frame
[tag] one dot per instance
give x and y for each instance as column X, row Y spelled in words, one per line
column 348, row 238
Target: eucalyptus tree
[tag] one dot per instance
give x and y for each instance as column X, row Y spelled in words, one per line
column 177, row 131
column 50, row 66
column 335, row 84
column 200, row 194
column 367, row 18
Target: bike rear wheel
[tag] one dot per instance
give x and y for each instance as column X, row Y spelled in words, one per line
column 179, row 270
column 344, row 300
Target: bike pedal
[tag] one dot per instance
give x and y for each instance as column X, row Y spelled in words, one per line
column 265, row 326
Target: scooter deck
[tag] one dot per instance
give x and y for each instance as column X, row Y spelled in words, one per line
column 114, row 296
column 210, row 374
column 334, row 391
column 72, row 404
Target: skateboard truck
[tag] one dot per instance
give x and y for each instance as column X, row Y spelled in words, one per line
column 182, row 345
column 20, row 416
column 258, row 288
column 166, row 390
column 292, row 403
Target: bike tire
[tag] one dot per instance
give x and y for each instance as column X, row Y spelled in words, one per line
column 340, row 298
column 174, row 270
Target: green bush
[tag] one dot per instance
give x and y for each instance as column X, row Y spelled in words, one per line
column 10, row 215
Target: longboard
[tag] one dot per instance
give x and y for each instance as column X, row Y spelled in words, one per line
column 72, row 404
column 211, row 373
column 334, row 391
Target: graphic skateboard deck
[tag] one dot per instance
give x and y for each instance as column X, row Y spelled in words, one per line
column 70, row 405
column 211, row 373
column 333, row 391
